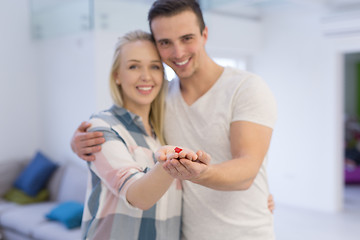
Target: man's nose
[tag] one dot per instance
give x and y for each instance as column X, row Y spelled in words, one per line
column 178, row 51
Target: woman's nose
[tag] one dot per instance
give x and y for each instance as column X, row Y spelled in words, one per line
column 145, row 75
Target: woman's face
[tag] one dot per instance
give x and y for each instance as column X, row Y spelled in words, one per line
column 140, row 74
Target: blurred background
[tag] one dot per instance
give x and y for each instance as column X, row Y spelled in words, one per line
column 55, row 57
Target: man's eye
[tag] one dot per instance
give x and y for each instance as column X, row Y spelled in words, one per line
column 164, row 43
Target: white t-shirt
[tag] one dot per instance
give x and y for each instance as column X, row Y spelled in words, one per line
column 210, row 214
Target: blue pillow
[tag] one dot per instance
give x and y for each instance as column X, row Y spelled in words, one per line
column 36, row 175
column 68, row 213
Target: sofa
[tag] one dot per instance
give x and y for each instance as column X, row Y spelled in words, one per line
column 29, row 221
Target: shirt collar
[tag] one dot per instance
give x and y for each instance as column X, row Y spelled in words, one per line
column 128, row 117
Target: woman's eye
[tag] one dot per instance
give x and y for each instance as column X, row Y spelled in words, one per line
column 133, row 67
column 156, row 67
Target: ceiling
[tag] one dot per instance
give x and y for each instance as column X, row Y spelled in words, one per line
column 253, row 9
column 238, row 8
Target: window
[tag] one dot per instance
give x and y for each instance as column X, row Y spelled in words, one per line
column 225, row 62
column 231, row 62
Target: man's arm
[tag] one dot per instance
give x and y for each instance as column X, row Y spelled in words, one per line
column 85, row 144
column 249, row 145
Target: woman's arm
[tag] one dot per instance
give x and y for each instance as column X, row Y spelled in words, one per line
column 148, row 189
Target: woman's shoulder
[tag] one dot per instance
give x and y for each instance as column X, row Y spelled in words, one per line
column 105, row 118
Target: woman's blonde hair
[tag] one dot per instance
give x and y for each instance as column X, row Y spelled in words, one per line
column 157, row 106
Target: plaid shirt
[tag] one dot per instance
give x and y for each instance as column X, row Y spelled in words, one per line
column 126, row 155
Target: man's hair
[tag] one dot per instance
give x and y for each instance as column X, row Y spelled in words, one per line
column 168, row 8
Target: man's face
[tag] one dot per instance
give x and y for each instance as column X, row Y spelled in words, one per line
column 180, row 43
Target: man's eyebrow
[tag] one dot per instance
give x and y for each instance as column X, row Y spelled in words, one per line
column 187, row 35
column 163, row 39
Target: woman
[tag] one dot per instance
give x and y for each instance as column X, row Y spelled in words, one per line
column 130, row 195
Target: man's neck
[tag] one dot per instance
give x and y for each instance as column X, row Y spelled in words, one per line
column 194, row 87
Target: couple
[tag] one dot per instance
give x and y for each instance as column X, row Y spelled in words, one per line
column 227, row 113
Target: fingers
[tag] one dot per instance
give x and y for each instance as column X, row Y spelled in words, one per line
column 183, row 153
column 271, row 203
column 84, row 144
column 88, row 158
column 96, row 136
column 170, row 169
column 203, row 157
column 90, row 140
column 89, row 150
column 188, row 154
column 185, row 165
column 160, row 156
column 83, row 126
column 183, row 168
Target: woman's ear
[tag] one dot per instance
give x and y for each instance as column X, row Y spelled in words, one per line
column 117, row 78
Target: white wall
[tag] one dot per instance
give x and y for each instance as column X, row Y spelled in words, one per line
column 233, row 37
column 110, row 24
column 303, row 68
column 67, row 70
column 19, row 92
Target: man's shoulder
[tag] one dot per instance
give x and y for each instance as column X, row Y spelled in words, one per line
column 236, row 78
column 239, row 74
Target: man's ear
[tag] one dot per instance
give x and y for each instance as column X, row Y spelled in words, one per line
column 205, row 34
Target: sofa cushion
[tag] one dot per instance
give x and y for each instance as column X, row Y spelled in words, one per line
column 55, row 231
column 25, row 218
column 6, row 206
column 9, row 234
column 73, row 183
column 55, row 182
column 68, row 213
column 18, row 196
column 35, row 175
column 9, row 170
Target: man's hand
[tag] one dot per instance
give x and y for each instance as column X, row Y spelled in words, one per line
column 84, row 144
column 169, row 152
column 271, row 203
column 185, row 165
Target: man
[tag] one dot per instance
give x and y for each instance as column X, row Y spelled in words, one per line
column 226, row 112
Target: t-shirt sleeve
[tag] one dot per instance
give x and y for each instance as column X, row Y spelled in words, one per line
column 253, row 101
column 114, row 164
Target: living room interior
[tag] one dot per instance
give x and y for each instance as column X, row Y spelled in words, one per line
column 55, row 62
